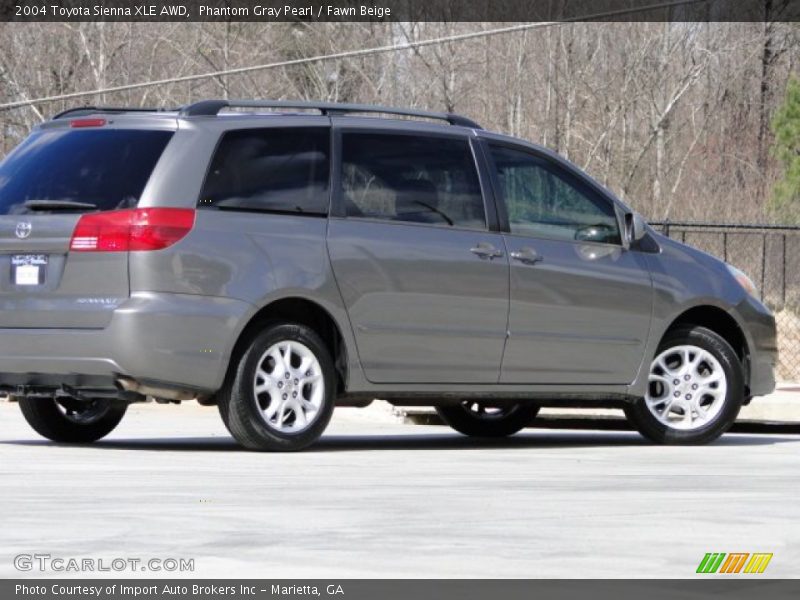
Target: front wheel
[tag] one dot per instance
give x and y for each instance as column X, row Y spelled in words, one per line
column 72, row 421
column 695, row 389
column 281, row 395
column 486, row 419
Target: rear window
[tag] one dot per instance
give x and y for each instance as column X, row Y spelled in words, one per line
column 107, row 169
column 282, row 170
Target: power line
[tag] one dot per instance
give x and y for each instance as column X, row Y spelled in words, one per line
column 350, row 53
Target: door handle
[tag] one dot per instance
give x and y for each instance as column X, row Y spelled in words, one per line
column 486, row 250
column 527, row 256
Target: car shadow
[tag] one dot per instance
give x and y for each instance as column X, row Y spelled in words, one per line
column 411, row 442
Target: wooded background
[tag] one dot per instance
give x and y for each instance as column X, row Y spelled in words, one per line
column 673, row 117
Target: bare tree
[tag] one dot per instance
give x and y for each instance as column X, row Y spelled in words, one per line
column 672, row 116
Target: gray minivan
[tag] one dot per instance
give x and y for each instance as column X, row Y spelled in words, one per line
column 277, row 264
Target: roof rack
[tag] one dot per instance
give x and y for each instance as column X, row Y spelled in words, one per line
column 210, row 108
column 89, row 110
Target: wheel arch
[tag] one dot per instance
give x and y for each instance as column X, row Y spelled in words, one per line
column 296, row 309
column 722, row 323
column 717, row 320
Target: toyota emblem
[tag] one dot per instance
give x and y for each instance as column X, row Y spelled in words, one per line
column 23, row 229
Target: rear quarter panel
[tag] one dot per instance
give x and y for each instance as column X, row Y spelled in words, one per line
column 256, row 258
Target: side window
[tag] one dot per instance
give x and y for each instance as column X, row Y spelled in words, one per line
column 275, row 170
column 411, row 178
column 544, row 201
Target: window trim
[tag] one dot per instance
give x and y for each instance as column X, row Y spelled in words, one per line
column 572, row 174
column 267, row 211
column 339, row 211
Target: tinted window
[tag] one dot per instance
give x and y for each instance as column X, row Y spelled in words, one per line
column 411, row 178
column 543, row 200
column 275, row 170
column 107, row 168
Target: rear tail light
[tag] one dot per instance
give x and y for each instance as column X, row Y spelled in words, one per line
column 132, row 229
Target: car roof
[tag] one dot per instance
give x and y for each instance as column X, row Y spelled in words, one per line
column 225, row 113
column 268, row 108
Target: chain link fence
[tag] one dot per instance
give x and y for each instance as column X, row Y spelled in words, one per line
column 770, row 255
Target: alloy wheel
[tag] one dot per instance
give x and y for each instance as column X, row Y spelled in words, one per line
column 83, row 412
column 687, row 387
column 484, row 410
column 288, row 387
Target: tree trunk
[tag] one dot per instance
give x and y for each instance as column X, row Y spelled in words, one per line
column 765, row 94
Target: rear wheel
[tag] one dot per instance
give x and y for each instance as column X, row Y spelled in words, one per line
column 479, row 418
column 281, row 395
column 73, row 421
column 695, row 389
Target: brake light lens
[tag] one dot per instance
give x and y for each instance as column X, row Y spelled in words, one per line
column 76, row 123
column 137, row 229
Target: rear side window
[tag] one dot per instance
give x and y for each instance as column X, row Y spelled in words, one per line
column 417, row 179
column 282, row 170
column 105, row 168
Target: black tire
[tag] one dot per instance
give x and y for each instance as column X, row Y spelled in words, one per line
column 86, row 423
column 654, row 430
column 239, row 405
column 224, row 417
column 476, row 418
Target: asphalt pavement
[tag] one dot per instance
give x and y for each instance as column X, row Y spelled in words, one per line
column 377, row 498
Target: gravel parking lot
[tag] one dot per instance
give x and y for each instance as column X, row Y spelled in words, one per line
column 376, row 498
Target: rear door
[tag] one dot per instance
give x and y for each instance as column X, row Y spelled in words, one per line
column 62, row 171
column 424, row 278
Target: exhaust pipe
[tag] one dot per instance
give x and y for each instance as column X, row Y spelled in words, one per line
column 127, row 384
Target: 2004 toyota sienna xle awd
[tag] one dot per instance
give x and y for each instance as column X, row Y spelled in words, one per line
column 277, row 264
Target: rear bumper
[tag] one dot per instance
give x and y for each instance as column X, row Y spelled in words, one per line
column 178, row 339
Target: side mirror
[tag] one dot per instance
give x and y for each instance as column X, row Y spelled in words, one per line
column 635, row 226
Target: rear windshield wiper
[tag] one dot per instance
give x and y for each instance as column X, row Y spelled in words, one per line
column 58, row 205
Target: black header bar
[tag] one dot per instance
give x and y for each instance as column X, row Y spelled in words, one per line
column 510, row 11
